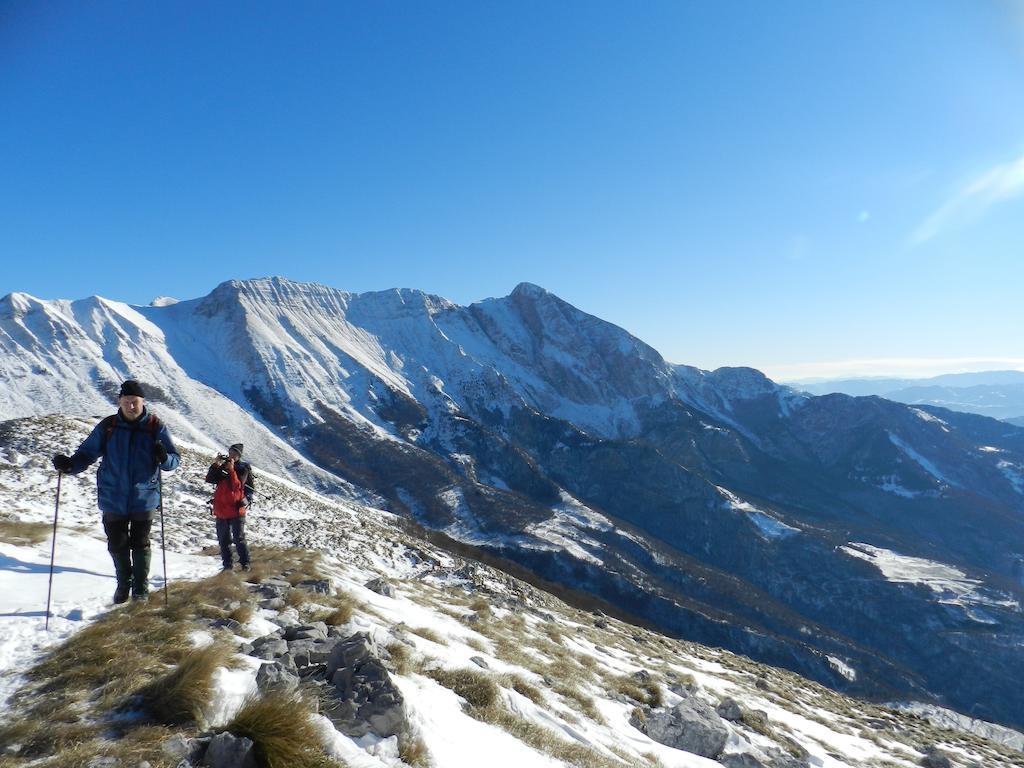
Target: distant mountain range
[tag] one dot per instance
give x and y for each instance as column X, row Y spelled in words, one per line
column 998, row 394
column 871, row 545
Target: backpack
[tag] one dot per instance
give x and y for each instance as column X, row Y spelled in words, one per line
column 110, row 423
column 250, row 485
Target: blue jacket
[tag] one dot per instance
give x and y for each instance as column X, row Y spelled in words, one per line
column 127, row 480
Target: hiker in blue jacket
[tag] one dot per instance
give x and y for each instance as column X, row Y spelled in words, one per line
column 135, row 446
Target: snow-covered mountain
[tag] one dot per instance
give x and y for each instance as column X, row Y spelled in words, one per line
column 874, row 547
column 570, row 687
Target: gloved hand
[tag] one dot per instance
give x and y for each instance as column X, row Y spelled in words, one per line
column 159, row 452
column 62, row 463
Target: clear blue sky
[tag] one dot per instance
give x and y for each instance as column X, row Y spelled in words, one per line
column 737, row 183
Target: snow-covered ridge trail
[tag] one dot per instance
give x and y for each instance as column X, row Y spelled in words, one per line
column 484, row 664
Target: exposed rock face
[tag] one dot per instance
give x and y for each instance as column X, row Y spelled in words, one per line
column 691, row 725
column 228, row 751
column 367, row 699
column 360, row 695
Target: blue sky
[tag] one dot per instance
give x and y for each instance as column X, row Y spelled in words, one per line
column 804, row 187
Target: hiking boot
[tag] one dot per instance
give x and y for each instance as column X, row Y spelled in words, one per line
column 246, row 567
column 140, row 597
column 123, row 572
column 140, row 573
column 227, row 567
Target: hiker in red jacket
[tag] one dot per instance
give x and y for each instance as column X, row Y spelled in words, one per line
column 230, row 502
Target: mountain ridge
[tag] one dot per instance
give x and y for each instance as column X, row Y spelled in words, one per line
column 493, row 422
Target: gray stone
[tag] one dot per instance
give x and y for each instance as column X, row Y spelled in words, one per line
column 272, row 637
column 313, row 670
column 321, row 652
column 311, row 634
column 364, row 698
column 381, row 587
column 103, row 762
column 933, row 758
column 229, row 751
column 274, row 586
column 691, row 725
column 229, row 624
column 601, row 624
column 271, row 650
column 179, row 747
column 320, row 586
column 730, row 709
column 277, row 676
column 273, row 603
column 742, row 760
column 480, row 662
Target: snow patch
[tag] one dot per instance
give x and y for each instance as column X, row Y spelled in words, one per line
column 926, row 464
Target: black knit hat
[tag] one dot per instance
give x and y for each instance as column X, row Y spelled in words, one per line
column 131, row 388
column 236, row 447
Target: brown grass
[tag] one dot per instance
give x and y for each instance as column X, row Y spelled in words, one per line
column 180, row 696
column 291, row 564
column 24, row 534
column 647, row 692
column 473, row 685
column 401, row 658
column 279, row 726
column 413, row 751
column 337, row 608
column 522, row 686
column 113, row 656
column 428, row 634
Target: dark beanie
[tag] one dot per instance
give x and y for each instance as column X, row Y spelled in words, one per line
column 236, row 447
column 131, row 388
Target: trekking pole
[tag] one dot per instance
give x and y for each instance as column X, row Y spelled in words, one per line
column 163, row 540
column 53, row 552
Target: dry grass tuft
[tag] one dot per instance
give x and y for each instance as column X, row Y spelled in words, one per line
column 293, row 565
column 180, row 696
column 579, row 701
column 113, row 656
column 412, row 750
column 475, row 686
column 428, row 634
column 279, row 726
column 546, row 740
column 339, row 608
column 205, row 598
column 522, row 686
column 480, row 606
column 647, row 692
column 401, row 658
column 242, row 614
column 24, row 534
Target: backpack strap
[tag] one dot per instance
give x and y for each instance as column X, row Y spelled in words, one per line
column 108, row 429
column 110, row 422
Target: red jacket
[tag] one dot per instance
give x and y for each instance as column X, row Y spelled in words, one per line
column 229, row 498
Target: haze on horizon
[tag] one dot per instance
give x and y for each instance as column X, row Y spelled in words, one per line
column 815, row 190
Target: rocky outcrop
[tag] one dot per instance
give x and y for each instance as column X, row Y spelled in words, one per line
column 691, row 725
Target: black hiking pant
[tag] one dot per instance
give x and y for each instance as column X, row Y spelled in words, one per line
column 127, row 533
column 228, row 531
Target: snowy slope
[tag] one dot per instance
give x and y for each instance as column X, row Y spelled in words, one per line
column 713, row 503
column 433, row 588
